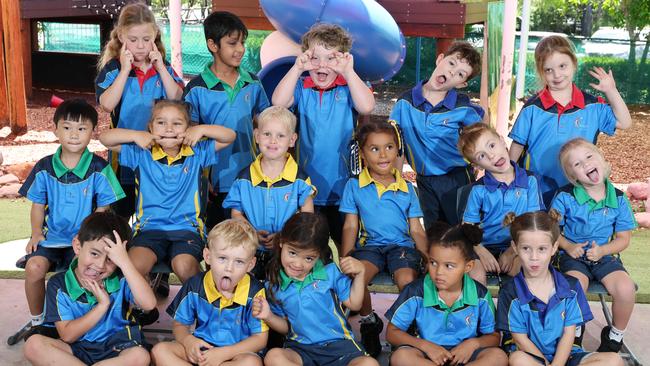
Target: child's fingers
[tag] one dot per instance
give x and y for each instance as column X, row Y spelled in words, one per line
column 153, row 45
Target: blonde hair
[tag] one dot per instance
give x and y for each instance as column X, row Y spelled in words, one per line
column 330, row 36
column 573, row 144
column 469, row 136
column 278, row 113
column 234, row 233
column 547, row 46
column 131, row 15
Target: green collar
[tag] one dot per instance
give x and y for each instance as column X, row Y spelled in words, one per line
column 211, row 80
column 469, row 295
column 581, row 195
column 317, row 273
column 80, row 170
column 111, row 284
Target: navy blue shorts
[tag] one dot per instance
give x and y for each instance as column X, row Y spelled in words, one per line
column 391, row 257
column 93, row 352
column 335, row 220
column 59, row 258
column 448, row 348
column 437, row 195
column 593, row 270
column 339, row 352
column 574, row 358
column 168, row 244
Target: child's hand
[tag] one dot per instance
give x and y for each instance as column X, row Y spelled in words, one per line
column 506, row 260
column 145, row 139
column 155, row 57
column 214, row 357
column 265, row 238
column 606, row 82
column 303, row 61
column 116, row 250
column 577, row 250
column 344, row 63
column 261, row 308
column 32, row 244
column 126, row 58
column 195, row 348
column 97, row 289
column 192, row 135
column 436, row 354
column 352, row 266
column 487, row 259
column 595, row 253
column 461, row 353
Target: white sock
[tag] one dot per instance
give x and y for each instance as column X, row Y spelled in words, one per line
column 38, row 319
column 368, row 319
column 616, row 334
column 578, row 331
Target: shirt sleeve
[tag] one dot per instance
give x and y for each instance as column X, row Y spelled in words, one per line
column 262, row 101
column 472, row 212
column 535, row 198
column 233, row 199
column 35, row 187
column 574, row 314
column 396, row 112
column 606, row 119
column 130, row 155
column 348, row 204
column 305, row 190
column 404, row 310
column 57, row 305
column 207, row 152
column 474, row 115
column 175, row 76
column 509, row 315
column 558, row 205
column 107, row 187
column 183, row 308
column 414, row 205
column 275, row 307
column 190, row 96
column 255, row 325
column 520, row 132
column 625, row 220
column 106, row 77
column 342, row 283
column 487, row 322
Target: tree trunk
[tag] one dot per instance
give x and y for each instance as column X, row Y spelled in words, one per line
column 587, row 21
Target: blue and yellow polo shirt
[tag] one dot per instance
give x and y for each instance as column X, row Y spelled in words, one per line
column 217, row 103
column 584, row 219
column 269, row 203
column 431, row 132
column 168, row 187
column 543, row 126
column 490, row 200
column 67, row 300
column 219, row 321
column 327, row 119
column 313, row 306
column 521, row 312
column 384, row 212
column 69, row 195
column 471, row 316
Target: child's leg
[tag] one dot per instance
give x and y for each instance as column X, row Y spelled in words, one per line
column 143, row 259
column 403, row 277
column 169, row 353
column 244, row 359
column 282, row 357
column 185, row 266
column 35, row 271
column 371, row 271
column 602, row 359
column 520, row 358
column 621, row 287
column 363, row 361
column 409, row 356
column 584, row 280
column 134, row 356
column 186, row 253
column 491, row 356
column 41, row 350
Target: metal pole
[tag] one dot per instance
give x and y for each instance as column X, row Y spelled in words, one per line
column 505, row 75
column 523, row 49
column 175, row 36
column 418, row 46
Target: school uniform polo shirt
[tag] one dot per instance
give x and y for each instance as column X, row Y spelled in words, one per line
column 168, row 187
column 384, row 212
column 67, row 300
column 69, row 195
column 490, row 200
column 543, row 126
column 326, row 121
column 520, row 311
column 269, row 203
column 431, row 132
column 313, row 306
column 217, row 103
column 584, row 219
column 219, row 321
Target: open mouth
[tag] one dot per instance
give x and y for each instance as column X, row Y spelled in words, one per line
column 321, row 76
column 501, row 162
column 92, row 274
column 441, row 79
column 593, row 175
column 225, row 283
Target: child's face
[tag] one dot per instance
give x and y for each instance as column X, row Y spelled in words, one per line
column 93, row 262
column 74, row 136
column 447, row 267
column 229, row 264
column 379, row 153
column 168, row 124
column 230, row 50
column 558, row 70
column 139, row 40
column 323, row 59
column 535, row 250
column 297, row 263
column 274, row 139
column 491, row 154
column 586, row 166
column 451, row 72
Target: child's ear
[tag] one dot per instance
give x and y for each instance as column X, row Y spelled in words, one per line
column 469, row 266
column 292, row 140
column 251, row 265
column 556, row 246
column 213, row 47
column 439, row 58
column 461, row 85
column 76, row 245
column 514, row 246
column 206, row 254
column 256, row 132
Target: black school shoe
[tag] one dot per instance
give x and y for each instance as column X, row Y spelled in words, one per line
column 162, row 290
column 370, row 336
column 145, row 318
column 48, row 330
column 607, row 344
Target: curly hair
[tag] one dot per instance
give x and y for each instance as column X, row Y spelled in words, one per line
column 330, row 36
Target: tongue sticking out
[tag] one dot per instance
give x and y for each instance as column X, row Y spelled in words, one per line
column 593, row 176
column 225, row 284
column 500, row 162
column 441, row 79
column 321, row 76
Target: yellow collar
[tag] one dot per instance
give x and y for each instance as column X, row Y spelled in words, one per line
column 400, row 184
column 289, row 172
column 213, row 294
column 158, row 153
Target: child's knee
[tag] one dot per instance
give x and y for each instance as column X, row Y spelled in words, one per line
column 185, row 266
column 34, row 346
column 624, row 290
column 496, row 356
column 364, row 361
column 135, row 356
column 36, row 268
column 275, row 356
column 519, row 358
column 401, row 357
column 609, row 359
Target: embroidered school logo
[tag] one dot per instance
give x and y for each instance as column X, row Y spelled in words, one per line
column 85, row 192
column 315, row 284
column 562, row 314
column 186, row 170
column 605, row 211
column 517, row 193
column 468, row 320
column 578, row 121
column 158, row 84
column 286, row 197
column 247, row 97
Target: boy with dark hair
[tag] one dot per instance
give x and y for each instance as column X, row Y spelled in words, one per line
column 431, row 116
column 90, row 305
column 227, row 95
column 64, row 188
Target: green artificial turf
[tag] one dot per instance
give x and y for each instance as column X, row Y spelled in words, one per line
column 14, row 219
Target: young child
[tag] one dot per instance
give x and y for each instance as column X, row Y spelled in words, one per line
column 132, row 74
column 273, row 188
column 453, row 314
column 431, row 116
column 91, row 305
column 227, row 95
column 168, row 161
column 561, row 112
column 504, row 188
column 327, row 102
column 64, row 188
column 307, row 298
column 386, row 208
column 541, row 307
column 220, row 302
column 597, row 223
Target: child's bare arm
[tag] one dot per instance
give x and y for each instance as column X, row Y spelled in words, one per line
column 236, row 214
column 364, row 100
column 563, row 349
column 112, row 96
column 515, row 151
column 262, row 311
column 620, row 243
column 352, row 266
column 220, row 355
column 193, row 345
column 398, row 337
column 418, row 234
column 525, row 344
column 462, row 353
column 607, row 85
column 350, row 233
column 308, row 206
column 223, row 136
column 36, row 217
column 114, row 138
column 283, row 94
column 102, row 209
column 172, row 89
column 71, row 330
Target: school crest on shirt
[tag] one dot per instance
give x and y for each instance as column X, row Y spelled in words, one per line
column 469, row 320
column 186, row 170
column 562, row 314
column 247, row 97
column 286, row 197
column 158, row 84
column 578, row 121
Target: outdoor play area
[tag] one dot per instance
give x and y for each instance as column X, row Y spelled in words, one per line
column 50, row 48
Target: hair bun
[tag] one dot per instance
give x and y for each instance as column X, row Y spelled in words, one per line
column 472, row 233
column 555, row 215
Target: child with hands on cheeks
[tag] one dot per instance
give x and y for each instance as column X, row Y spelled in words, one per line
column 454, row 315
column 597, row 223
column 306, row 298
column 88, row 302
